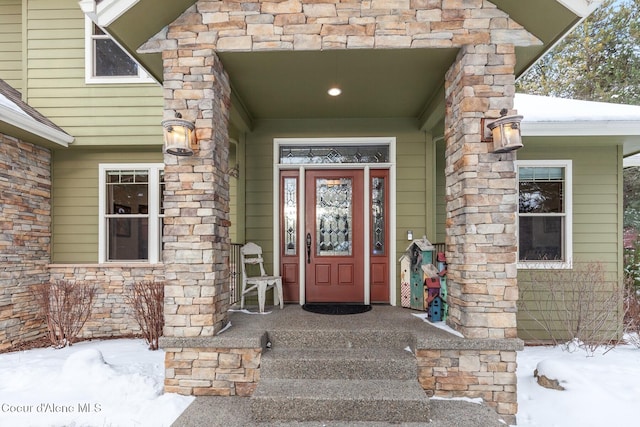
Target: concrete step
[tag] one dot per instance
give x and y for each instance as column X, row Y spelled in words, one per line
column 343, row 363
column 341, row 338
column 390, row 401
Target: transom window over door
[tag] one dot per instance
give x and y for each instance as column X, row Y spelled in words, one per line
column 131, row 212
column 544, row 213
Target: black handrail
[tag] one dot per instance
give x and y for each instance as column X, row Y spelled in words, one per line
column 235, row 273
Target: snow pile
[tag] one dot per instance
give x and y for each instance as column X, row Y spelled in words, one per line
column 114, row 383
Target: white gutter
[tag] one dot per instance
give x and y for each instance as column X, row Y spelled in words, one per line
column 581, row 128
column 21, row 120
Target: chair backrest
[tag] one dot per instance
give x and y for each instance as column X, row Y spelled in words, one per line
column 251, row 254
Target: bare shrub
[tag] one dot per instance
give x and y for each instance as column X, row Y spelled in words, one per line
column 577, row 307
column 65, row 306
column 147, row 299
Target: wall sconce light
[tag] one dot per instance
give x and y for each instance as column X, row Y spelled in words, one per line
column 409, row 234
column 179, row 136
column 505, row 132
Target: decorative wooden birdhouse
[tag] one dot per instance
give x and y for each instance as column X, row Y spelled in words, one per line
column 434, row 312
column 432, row 289
column 420, row 253
column 405, row 282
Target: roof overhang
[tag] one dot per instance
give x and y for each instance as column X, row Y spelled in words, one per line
column 546, row 116
column 18, row 124
column 133, row 22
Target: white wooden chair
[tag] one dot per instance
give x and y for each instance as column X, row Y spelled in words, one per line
column 251, row 254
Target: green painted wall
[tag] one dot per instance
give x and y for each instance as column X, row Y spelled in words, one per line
column 414, row 155
column 75, row 199
column 95, row 114
column 11, row 42
column 597, row 217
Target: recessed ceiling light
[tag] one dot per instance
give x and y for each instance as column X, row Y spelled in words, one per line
column 334, row 91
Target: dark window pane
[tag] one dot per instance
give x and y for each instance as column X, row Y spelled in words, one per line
column 128, row 238
column 540, row 197
column 113, row 61
column 540, row 238
column 124, row 199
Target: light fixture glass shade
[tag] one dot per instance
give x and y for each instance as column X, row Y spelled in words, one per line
column 506, row 134
column 179, row 137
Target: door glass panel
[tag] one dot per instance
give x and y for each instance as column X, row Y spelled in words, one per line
column 377, row 215
column 290, row 215
column 333, row 216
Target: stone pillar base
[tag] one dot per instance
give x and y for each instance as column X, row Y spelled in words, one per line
column 212, row 366
column 483, row 369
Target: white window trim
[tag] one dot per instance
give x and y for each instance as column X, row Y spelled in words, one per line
column 154, row 210
column 568, row 206
column 89, row 78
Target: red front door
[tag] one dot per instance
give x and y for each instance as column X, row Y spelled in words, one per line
column 334, row 251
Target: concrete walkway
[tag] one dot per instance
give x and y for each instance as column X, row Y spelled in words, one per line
column 236, row 412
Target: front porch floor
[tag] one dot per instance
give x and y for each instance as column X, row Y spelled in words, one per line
column 220, row 370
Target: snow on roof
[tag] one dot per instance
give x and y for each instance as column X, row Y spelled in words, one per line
column 537, row 108
column 17, row 113
column 6, row 102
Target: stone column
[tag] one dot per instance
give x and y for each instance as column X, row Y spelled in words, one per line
column 196, row 223
column 481, row 196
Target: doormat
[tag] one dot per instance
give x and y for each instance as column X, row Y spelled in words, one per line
column 336, row 308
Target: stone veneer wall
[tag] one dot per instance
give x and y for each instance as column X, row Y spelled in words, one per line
column 211, row 371
column 25, row 236
column 111, row 316
column 481, row 196
column 486, row 374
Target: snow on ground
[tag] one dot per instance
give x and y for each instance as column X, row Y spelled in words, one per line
column 119, row 383
column 599, row 390
column 93, row 383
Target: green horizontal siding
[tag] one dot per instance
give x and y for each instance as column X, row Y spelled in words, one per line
column 75, row 199
column 11, row 42
column 597, row 216
column 95, row 114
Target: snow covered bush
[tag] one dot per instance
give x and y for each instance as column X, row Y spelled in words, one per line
column 65, row 307
column 147, row 299
column 579, row 306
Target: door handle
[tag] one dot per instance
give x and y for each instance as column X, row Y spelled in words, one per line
column 308, row 248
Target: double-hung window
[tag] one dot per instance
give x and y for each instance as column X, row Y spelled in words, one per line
column 544, row 213
column 106, row 61
column 131, row 212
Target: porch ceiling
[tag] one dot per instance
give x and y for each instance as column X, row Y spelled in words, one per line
column 374, row 83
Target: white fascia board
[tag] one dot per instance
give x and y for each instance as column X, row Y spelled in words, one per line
column 25, row 122
column 581, row 8
column 581, row 128
column 107, row 11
